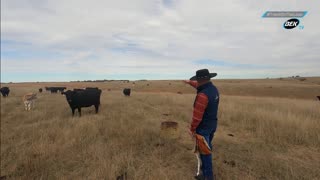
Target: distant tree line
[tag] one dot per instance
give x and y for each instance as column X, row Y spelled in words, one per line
column 104, row 80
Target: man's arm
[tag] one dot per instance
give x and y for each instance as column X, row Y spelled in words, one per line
column 198, row 111
column 191, row 83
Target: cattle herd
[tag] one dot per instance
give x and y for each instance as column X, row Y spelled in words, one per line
column 76, row 98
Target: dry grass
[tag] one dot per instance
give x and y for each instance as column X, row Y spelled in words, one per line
column 274, row 138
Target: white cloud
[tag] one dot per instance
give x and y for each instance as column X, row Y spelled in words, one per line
column 150, row 36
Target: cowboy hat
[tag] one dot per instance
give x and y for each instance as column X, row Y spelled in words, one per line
column 203, row 74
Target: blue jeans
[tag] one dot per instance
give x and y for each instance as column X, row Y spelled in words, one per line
column 206, row 160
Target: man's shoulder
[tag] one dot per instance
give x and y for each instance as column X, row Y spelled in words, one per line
column 213, row 88
column 211, row 92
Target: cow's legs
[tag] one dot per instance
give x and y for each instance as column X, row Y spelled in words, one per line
column 96, row 107
column 29, row 106
column 25, row 105
column 79, row 110
column 72, row 111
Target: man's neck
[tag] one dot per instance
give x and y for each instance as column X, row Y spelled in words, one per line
column 203, row 83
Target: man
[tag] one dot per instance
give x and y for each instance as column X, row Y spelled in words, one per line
column 204, row 121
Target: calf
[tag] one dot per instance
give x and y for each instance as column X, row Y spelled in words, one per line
column 318, row 98
column 83, row 98
column 29, row 100
column 126, row 91
column 5, row 91
column 40, row 90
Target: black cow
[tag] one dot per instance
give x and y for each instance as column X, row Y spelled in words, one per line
column 60, row 89
column 126, row 91
column 83, row 98
column 78, row 89
column 5, row 91
column 55, row 89
column 40, row 90
column 87, row 88
column 318, row 97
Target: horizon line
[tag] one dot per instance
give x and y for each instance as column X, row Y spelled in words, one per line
column 107, row 80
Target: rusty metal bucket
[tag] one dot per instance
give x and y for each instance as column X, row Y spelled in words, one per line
column 169, row 130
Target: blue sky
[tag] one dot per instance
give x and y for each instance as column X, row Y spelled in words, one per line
column 57, row 40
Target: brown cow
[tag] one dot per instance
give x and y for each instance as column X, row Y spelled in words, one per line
column 29, row 100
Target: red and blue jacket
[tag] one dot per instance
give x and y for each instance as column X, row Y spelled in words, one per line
column 205, row 112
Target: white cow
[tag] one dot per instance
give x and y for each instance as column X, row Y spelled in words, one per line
column 29, row 100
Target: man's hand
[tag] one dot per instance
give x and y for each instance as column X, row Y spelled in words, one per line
column 191, row 83
column 186, row 81
column 191, row 133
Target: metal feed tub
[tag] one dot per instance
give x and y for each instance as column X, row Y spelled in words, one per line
column 169, row 129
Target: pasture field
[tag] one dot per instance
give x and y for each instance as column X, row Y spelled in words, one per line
column 267, row 129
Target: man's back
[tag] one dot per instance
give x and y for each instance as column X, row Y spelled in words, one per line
column 210, row 115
